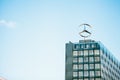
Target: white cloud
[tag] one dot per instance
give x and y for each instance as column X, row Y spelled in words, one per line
column 5, row 23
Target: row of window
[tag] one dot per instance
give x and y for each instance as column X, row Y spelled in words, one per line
column 86, row 52
column 88, row 79
column 86, row 59
column 86, row 66
column 85, row 46
column 86, row 74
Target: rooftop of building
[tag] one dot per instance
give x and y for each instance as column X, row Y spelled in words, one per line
column 101, row 46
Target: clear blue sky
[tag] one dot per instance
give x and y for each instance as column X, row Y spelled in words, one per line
column 33, row 34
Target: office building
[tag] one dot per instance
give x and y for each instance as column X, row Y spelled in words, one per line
column 90, row 60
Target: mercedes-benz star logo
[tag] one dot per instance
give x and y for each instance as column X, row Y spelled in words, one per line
column 85, row 32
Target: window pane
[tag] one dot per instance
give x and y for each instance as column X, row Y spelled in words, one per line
column 82, row 46
column 97, row 59
column 91, row 66
column 80, row 66
column 76, row 46
column 90, row 52
column 93, row 45
column 91, row 73
column 91, row 59
column 80, row 53
column 85, row 59
column 87, row 46
column 75, row 66
column 97, row 66
column 80, row 74
column 75, row 53
column 85, row 73
column 91, row 78
column 85, row 78
column 96, row 52
column 75, row 74
column 85, row 52
column 85, row 66
column 97, row 73
column 80, row 59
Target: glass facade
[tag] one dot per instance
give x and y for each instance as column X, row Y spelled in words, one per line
column 90, row 60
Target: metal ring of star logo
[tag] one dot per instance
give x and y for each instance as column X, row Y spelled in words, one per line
column 85, row 33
